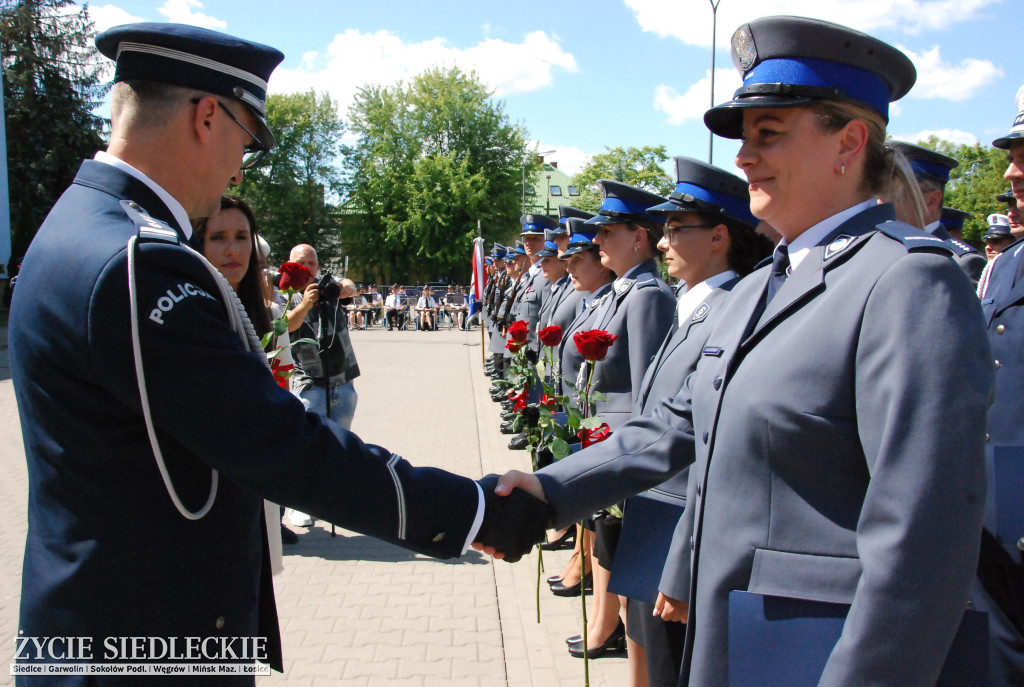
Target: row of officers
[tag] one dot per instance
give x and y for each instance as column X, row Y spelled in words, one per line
column 844, row 305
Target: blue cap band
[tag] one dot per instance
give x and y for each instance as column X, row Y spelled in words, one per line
column 930, row 169
column 858, row 84
column 736, row 207
column 628, row 207
column 532, row 229
column 581, row 237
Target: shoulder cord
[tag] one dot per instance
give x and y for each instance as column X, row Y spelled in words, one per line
column 986, row 274
column 239, row 323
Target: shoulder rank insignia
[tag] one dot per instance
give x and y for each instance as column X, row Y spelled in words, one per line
column 149, row 229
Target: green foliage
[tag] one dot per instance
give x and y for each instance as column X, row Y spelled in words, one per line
column 51, row 82
column 433, row 157
column 974, row 184
column 640, row 167
column 294, row 191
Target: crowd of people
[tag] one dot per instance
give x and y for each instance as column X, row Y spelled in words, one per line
column 820, row 423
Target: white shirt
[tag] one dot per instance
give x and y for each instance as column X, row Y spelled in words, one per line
column 692, row 298
column 805, row 242
column 173, row 205
column 393, row 301
column 426, row 302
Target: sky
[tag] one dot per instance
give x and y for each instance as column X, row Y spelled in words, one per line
column 583, row 76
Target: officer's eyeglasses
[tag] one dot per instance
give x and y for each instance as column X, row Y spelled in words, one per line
column 255, row 150
column 672, row 232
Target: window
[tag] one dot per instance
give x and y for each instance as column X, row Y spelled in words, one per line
column 574, row 191
column 556, row 190
column 530, row 190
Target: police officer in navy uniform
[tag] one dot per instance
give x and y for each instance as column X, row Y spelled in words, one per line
column 931, row 169
column 1001, row 570
column 496, row 287
column 839, row 467
column 153, row 428
column 952, row 221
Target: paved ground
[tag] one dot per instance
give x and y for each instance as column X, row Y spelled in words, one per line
column 355, row 611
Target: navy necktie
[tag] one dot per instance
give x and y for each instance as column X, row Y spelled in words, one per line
column 780, row 270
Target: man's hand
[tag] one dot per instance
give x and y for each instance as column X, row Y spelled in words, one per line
column 671, row 610
column 297, row 314
column 514, row 519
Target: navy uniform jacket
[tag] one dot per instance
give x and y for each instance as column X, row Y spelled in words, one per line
column 1003, row 306
column 835, row 461
column 639, row 313
column 967, row 256
column 107, row 553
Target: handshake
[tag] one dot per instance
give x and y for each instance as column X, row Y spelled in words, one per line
column 515, row 521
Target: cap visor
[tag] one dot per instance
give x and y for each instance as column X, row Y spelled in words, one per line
column 573, row 250
column 1009, row 139
column 726, row 120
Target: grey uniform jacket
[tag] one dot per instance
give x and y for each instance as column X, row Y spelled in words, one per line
column 836, row 459
column 967, row 256
column 562, row 307
column 639, row 313
column 529, row 301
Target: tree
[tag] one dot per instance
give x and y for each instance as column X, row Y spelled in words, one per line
column 433, row 157
column 295, row 191
column 51, row 86
column 974, row 184
column 640, row 167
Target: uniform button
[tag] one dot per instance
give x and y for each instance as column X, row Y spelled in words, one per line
column 438, row 537
column 698, row 488
column 220, row 622
column 1000, row 329
column 717, row 382
column 987, row 437
column 998, row 364
column 705, row 437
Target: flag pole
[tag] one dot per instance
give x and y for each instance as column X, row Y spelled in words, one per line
column 481, row 275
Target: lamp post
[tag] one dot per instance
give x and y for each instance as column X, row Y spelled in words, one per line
column 547, row 198
column 534, row 154
column 714, row 22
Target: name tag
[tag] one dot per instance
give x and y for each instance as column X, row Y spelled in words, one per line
column 713, row 351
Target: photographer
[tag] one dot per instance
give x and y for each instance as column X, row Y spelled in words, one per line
column 331, row 364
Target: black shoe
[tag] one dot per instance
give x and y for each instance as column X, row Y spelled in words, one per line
column 554, row 579
column 573, row 590
column 519, row 442
column 288, row 537
column 498, row 393
column 566, row 541
column 507, row 406
column 575, row 639
column 616, row 643
column 506, row 427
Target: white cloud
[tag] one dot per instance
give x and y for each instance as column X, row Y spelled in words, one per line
column 106, row 16
column 937, row 78
column 690, row 22
column 354, row 59
column 569, row 159
column 952, row 135
column 185, row 12
column 695, row 102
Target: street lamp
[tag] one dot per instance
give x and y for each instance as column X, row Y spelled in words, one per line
column 535, row 154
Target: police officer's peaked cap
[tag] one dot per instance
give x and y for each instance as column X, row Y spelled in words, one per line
column 193, row 57
column 1006, row 197
column 518, row 250
column 926, row 162
column 1017, row 130
column 534, row 225
column 701, row 187
column 566, row 212
column 951, row 218
column 550, row 250
column 998, row 227
column 623, row 203
column 583, row 233
column 795, row 61
column 498, row 253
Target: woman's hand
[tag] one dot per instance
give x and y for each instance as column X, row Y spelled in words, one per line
column 671, row 610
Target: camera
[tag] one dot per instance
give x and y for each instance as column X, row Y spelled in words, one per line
column 329, row 289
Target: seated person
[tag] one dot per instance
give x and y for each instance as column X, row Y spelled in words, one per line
column 426, row 309
column 394, row 307
column 358, row 309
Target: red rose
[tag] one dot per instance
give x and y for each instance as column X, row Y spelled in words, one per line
column 514, row 346
column 548, row 401
column 593, row 344
column 281, row 372
column 518, row 331
column 550, row 336
column 518, row 400
column 592, row 436
column 294, row 276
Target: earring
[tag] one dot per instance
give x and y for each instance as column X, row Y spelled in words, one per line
column 636, row 249
column 842, row 169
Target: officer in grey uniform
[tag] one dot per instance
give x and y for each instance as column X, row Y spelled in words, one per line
column 146, row 399
column 535, row 287
column 931, row 169
column 839, row 482
column 563, row 233
column 561, row 308
column 1001, row 570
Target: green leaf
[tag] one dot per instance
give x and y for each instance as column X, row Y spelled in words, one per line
column 560, row 448
column 597, row 396
column 592, row 422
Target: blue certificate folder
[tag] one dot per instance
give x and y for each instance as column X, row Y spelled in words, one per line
column 781, row 642
column 1008, row 487
column 647, row 530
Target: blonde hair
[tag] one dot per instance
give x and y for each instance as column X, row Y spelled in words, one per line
column 887, row 173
